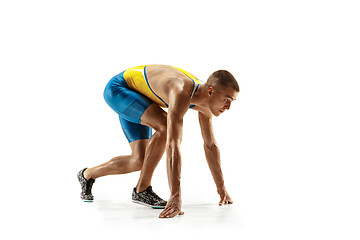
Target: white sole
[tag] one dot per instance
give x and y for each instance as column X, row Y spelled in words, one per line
column 148, row 205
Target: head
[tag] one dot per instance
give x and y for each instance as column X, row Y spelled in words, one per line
column 222, row 89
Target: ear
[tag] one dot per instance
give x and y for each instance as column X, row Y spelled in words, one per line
column 211, row 90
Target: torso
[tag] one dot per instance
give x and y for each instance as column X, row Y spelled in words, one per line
column 158, row 80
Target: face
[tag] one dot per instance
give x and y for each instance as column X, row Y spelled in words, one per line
column 221, row 99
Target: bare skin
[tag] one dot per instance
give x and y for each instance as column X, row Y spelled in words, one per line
column 174, row 88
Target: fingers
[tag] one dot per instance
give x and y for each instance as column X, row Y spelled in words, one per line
column 166, row 213
column 225, row 201
column 222, row 201
column 170, row 213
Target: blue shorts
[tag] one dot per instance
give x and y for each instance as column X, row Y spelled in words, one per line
column 130, row 106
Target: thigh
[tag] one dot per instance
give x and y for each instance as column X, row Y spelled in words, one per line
column 155, row 117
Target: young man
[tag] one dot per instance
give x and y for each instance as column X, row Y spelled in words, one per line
column 137, row 95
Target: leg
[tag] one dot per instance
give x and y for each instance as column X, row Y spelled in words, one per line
column 138, row 136
column 121, row 164
column 129, row 105
column 155, row 118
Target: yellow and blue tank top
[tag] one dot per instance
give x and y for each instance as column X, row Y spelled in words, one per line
column 137, row 80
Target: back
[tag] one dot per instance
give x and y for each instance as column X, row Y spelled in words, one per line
column 152, row 81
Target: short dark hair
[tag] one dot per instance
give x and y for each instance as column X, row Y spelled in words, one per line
column 222, row 78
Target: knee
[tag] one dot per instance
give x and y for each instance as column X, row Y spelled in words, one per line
column 156, row 119
column 162, row 130
column 137, row 162
column 160, row 134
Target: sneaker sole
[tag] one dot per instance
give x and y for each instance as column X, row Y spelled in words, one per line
column 148, row 205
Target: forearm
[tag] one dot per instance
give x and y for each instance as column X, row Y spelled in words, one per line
column 174, row 169
column 212, row 154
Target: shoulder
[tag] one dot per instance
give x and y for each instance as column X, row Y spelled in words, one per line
column 180, row 86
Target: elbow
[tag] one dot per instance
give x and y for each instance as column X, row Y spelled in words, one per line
column 212, row 147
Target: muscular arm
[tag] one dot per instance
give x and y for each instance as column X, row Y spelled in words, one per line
column 212, row 154
column 174, row 137
column 179, row 102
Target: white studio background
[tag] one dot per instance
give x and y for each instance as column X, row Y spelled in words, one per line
column 289, row 145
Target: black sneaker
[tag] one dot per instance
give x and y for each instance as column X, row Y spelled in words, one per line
column 86, row 186
column 148, row 198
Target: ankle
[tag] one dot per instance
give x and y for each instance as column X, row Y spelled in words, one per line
column 86, row 174
column 141, row 188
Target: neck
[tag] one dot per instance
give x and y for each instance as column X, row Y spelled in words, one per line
column 200, row 98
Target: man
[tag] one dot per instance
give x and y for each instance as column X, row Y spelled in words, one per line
column 137, row 95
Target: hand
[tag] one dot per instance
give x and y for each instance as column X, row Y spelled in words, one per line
column 225, row 198
column 173, row 208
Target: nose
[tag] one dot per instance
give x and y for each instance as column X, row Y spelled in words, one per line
column 227, row 106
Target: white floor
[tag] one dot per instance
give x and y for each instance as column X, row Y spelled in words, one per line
column 112, row 219
column 115, row 215
column 109, row 217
